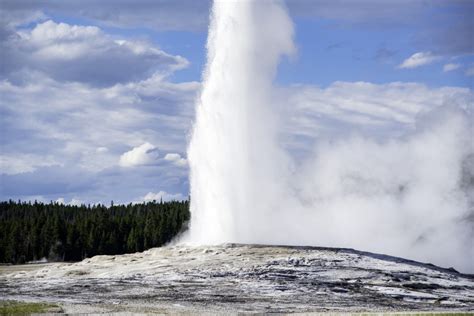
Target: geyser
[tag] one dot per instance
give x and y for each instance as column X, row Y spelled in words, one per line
column 410, row 196
column 236, row 164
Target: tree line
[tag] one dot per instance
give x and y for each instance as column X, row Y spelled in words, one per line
column 58, row 232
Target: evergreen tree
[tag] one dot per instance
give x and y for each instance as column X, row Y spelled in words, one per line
column 58, row 232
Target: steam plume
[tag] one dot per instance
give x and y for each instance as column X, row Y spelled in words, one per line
column 410, row 196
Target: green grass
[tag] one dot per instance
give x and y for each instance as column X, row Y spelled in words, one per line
column 24, row 308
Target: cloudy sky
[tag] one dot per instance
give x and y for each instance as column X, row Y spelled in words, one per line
column 96, row 97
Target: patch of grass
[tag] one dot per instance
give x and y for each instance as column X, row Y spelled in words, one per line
column 25, row 308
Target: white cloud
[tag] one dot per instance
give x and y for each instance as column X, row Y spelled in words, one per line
column 376, row 103
column 162, row 195
column 176, row 159
column 63, row 131
column 85, row 54
column 144, row 154
column 79, row 119
column 419, row 59
column 51, row 33
column 375, row 110
column 450, row 67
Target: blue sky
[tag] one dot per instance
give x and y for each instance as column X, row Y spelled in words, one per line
column 97, row 98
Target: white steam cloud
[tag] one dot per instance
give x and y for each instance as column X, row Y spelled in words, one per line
column 409, row 196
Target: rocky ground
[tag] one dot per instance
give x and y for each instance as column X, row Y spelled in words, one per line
column 240, row 278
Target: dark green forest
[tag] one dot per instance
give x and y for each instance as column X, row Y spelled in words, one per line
column 59, row 232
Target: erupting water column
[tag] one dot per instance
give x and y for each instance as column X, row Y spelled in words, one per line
column 409, row 196
column 233, row 154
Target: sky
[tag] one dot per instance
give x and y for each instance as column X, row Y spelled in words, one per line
column 97, row 97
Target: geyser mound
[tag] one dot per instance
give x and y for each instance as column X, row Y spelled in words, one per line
column 409, row 196
column 241, row 278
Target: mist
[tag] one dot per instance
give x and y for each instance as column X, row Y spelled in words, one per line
column 409, row 196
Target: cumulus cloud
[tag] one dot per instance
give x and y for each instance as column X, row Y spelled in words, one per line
column 418, row 59
column 450, row 67
column 144, row 154
column 84, row 54
column 162, row 195
column 176, row 159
